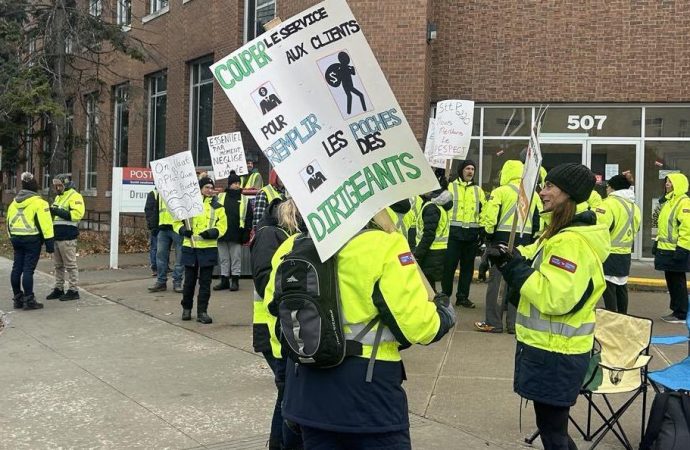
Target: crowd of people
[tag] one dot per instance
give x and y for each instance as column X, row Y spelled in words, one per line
column 575, row 249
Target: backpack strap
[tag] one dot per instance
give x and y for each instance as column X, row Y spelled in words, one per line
column 656, row 419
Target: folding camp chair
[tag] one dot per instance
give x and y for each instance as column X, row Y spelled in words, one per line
column 618, row 366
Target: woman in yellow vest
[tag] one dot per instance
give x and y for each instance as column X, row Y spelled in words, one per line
column 200, row 251
column 556, row 283
column 433, row 227
column 672, row 253
column 29, row 226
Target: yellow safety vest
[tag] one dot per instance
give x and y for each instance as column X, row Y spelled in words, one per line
column 442, row 230
column 467, row 204
column 411, row 216
column 625, row 216
column 251, row 181
column 271, row 193
column 674, row 216
column 243, row 206
column 73, row 202
column 164, row 216
column 22, row 218
column 210, row 218
column 398, row 220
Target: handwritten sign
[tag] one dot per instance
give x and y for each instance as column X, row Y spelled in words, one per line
column 175, row 179
column 429, row 147
column 227, row 154
column 318, row 105
column 454, row 128
column 530, row 174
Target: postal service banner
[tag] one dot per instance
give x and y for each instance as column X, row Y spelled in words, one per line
column 317, row 103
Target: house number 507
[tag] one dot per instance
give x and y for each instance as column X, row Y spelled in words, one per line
column 586, row 122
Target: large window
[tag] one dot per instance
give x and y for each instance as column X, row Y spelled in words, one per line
column 157, row 106
column 120, row 125
column 157, row 5
column 91, row 139
column 259, row 12
column 95, row 8
column 124, row 12
column 200, row 110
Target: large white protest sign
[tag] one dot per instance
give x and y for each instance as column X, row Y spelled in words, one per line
column 454, row 120
column 227, row 154
column 176, row 181
column 313, row 96
column 429, row 147
column 530, row 175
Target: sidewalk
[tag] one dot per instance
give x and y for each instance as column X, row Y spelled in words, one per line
column 118, row 369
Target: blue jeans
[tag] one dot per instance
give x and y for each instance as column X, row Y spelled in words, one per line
column 166, row 239
column 153, row 249
column 26, row 256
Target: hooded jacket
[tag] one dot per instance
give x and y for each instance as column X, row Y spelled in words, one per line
column 673, row 239
column 28, row 219
column 499, row 210
column 622, row 216
column 434, row 227
column 559, row 281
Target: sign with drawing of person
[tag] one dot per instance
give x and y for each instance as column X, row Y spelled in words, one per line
column 176, row 181
column 318, row 105
column 227, row 154
column 453, row 128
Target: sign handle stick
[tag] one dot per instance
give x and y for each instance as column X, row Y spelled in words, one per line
column 511, row 244
column 383, row 220
column 449, row 164
column 189, row 227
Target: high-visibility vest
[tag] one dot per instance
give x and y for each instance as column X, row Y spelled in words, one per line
column 73, row 202
column 466, row 206
column 24, row 218
column 411, row 216
column 250, row 181
column 243, row 206
column 398, row 220
column 164, row 216
column 271, row 193
column 505, row 222
column 625, row 217
column 212, row 217
column 442, row 229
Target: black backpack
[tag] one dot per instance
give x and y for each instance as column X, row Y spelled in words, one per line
column 669, row 422
column 307, row 302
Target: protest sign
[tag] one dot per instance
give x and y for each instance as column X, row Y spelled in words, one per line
column 429, row 147
column 176, row 181
column 227, row 154
column 315, row 100
column 530, row 174
column 453, row 128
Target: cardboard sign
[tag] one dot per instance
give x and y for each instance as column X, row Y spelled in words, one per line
column 530, row 175
column 176, row 181
column 429, row 147
column 454, row 128
column 227, row 154
column 315, row 100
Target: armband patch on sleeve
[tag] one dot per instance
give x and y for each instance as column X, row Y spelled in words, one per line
column 563, row 263
column 600, row 211
column 406, row 259
column 686, row 210
column 78, row 202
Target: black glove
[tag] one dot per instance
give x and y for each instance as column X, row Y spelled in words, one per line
column 499, row 255
column 184, row 232
column 446, row 314
column 654, row 248
column 60, row 212
column 50, row 245
column 211, row 233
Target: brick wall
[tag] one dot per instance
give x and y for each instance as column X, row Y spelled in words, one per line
column 562, row 51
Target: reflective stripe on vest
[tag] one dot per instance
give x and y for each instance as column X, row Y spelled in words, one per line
column 26, row 228
column 369, row 336
column 211, row 223
column 249, row 180
column 271, row 193
column 440, row 239
column 243, row 206
column 57, row 220
column 536, row 323
column 618, row 240
column 456, row 223
column 503, row 224
column 671, row 221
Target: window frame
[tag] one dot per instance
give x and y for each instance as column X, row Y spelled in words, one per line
column 120, row 108
column 123, row 14
column 96, row 8
column 194, row 89
column 156, row 6
column 151, row 109
column 251, row 10
column 90, row 136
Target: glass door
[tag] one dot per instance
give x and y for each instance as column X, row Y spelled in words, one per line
column 609, row 158
column 558, row 149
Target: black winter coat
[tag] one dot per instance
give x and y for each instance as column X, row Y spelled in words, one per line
column 430, row 261
column 151, row 211
column 235, row 233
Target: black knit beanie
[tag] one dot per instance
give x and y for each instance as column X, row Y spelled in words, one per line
column 618, row 182
column 465, row 163
column 575, row 180
column 233, row 178
column 203, row 181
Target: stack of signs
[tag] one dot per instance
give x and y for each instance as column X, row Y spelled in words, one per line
column 530, row 175
column 176, row 181
column 453, row 129
column 227, row 154
column 315, row 100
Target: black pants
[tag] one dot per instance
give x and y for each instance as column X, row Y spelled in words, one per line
column 463, row 252
column 316, row 439
column 552, row 422
column 678, row 289
column 616, row 297
column 191, row 274
column 26, row 256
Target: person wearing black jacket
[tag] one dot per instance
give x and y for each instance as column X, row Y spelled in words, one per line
column 230, row 244
column 432, row 234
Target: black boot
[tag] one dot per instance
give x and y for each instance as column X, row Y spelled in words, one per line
column 203, row 317
column 235, row 283
column 31, row 303
column 224, row 284
column 186, row 314
column 56, row 294
column 18, row 300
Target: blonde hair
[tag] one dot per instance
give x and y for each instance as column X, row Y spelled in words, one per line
column 289, row 216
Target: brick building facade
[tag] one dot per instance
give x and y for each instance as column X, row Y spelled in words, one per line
column 625, row 61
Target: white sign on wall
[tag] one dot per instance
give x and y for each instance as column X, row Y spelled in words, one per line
column 454, row 120
column 227, row 154
column 315, row 100
column 176, row 181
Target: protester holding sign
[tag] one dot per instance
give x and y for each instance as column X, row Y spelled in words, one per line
column 200, row 251
column 497, row 218
column 556, row 283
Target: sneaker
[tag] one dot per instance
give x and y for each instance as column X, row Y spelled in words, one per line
column 158, row 287
column 486, row 328
column 671, row 318
column 465, row 303
column 186, row 314
column 71, row 294
column 56, row 294
column 203, row 318
column 178, row 288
